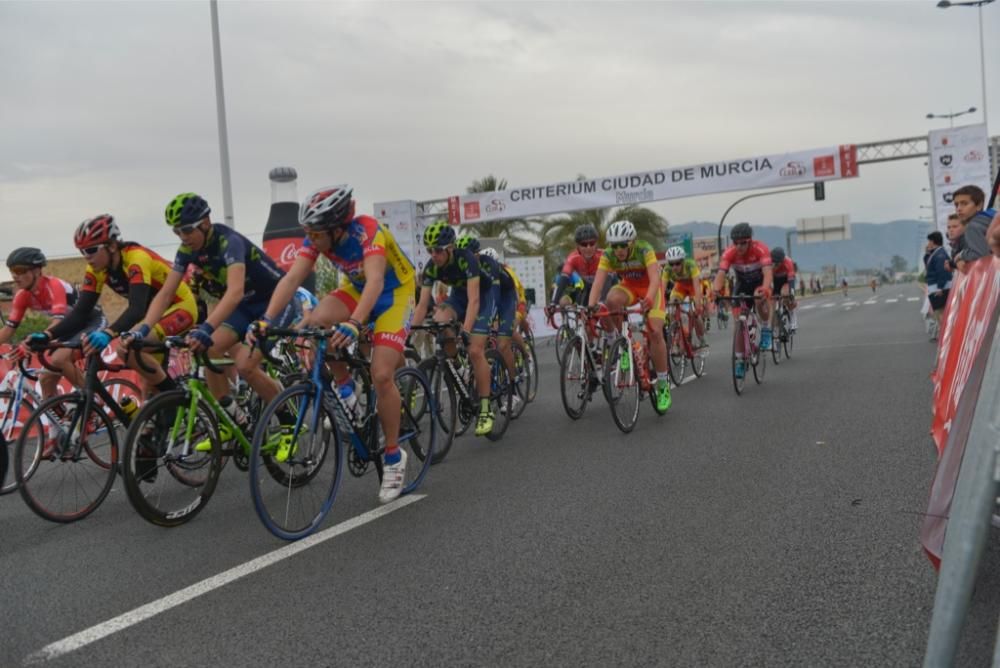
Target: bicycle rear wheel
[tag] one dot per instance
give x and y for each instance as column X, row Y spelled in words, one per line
column 12, row 427
column 501, row 394
column 776, row 344
column 676, row 356
column 739, row 359
column 168, row 479
column 533, row 367
column 418, row 428
column 575, row 373
column 66, row 467
column 788, row 343
column 622, row 384
column 759, row 363
column 296, row 462
column 446, row 399
column 522, row 378
column 564, row 335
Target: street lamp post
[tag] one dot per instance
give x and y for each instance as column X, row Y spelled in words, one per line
column 978, row 4
column 953, row 115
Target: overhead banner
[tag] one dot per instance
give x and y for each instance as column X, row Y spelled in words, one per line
column 766, row 171
column 958, row 157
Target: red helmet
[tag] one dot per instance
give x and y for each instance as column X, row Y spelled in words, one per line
column 96, row 231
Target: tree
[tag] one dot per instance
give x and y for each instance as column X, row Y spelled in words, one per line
column 898, row 264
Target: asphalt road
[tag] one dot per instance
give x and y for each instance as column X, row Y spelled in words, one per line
column 779, row 528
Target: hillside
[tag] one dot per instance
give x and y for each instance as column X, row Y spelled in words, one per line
column 872, row 245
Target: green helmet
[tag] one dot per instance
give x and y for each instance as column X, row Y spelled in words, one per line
column 186, row 209
column 439, row 234
column 468, row 241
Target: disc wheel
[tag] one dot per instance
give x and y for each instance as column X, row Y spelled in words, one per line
column 65, row 462
column 622, row 385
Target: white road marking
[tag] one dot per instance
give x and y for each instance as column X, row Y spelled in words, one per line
column 871, row 301
column 850, row 303
column 144, row 612
column 827, row 305
column 891, row 301
column 808, row 306
column 913, row 299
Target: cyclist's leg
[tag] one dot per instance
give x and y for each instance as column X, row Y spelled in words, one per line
column 249, row 363
column 618, row 297
column 177, row 319
column 477, row 343
column 657, row 345
column 506, row 313
column 334, row 308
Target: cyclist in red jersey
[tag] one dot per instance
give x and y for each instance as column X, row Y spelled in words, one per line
column 751, row 262
column 583, row 261
column 50, row 296
column 784, row 280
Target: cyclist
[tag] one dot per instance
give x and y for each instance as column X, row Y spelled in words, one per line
column 241, row 276
column 377, row 286
column 136, row 273
column 685, row 275
column 488, row 291
column 50, row 296
column 784, row 281
column 751, row 262
column 634, row 263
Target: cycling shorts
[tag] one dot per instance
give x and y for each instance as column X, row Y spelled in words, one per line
column 177, row 319
column 391, row 316
column 781, row 281
column 657, row 310
column 248, row 312
column 458, row 300
column 506, row 311
column 681, row 290
column 748, row 288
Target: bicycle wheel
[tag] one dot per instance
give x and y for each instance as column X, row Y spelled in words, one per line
column 418, row 428
column 3, row 459
column 501, row 393
column 65, row 467
column 446, row 399
column 698, row 358
column 522, row 378
column 739, row 358
column 776, row 344
column 622, row 386
column 564, row 334
column 533, row 368
column 759, row 363
column 168, row 479
column 676, row 357
column 789, row 342
column 296, row 463
column 575, row 373
column 13, row 419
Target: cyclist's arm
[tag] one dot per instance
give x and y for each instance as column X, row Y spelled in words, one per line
column 653, row 271
column 163, row 298
column 472, row 310
column 768, row 278
column 562, row 282
column 286, row 287
column 138, row 297
column 720, row 278
column 597, row 287
column 6, row 333
column 77, row 318
column 374, row 268
column 421, row 311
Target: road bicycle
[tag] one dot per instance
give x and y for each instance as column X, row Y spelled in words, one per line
column 746, row 348
column 66, row 456
column 567, row 327
column 17, row 403
column 628, row 368
column 783, row 338
column 294, row 489
column 680, row 350
column 581, row 371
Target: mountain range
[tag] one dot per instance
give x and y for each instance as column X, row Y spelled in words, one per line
column 871, row 245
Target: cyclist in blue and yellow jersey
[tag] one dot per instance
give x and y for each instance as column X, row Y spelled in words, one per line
column 241, row 276
column 377, row 288
column 135, row 273
column 521, row 298
column 480, row 292
column 634, row 262
column 685, row 275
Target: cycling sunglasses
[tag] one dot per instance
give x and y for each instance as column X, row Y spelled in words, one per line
column 678, row 263
column 587, row 244
column 186, row 229
column 19, row 269
column 620, row 246
column 89, row 252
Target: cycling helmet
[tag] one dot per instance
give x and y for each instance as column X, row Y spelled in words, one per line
column 327, row 208
column 97, row 231
column 676, row 254
column 469, row 242
column 439, row 234
column 31, row 257
column 585, row 233
column 741, row 231
column 186, row 209
column 777, row 255
column 489, row 251
column 621, row 231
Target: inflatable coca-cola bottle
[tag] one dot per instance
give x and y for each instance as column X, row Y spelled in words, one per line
column 282, row 235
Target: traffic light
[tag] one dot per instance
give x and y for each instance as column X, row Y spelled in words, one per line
column 819, row 191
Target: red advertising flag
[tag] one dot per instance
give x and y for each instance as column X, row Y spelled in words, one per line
column 454, row 217
column 848, row 160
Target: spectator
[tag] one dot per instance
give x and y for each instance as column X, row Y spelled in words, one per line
column 938, row 278
column 969, row 207
column 956, row 231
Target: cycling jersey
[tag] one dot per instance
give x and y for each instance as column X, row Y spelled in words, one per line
column 785, row 268
column 365, row 237
column 748, row 266
column 138, row 265
column 632, row 271
column 224, row 248
column 575, row 262
column 50, row 296
column 685, row 275
column 461, row 268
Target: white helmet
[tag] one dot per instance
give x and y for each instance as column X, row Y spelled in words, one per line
column 621, row 231
column 489, row 251
column 676, row 254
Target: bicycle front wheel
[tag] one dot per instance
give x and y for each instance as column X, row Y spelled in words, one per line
column 788, row 342
column 759, row 364
column 676, row 356
column 446, row 398
column 522, row 377
column 295, row 463
column 740, row 357
column 575, row 373
column 418, row 426
column 564, row 335
column 13, row 421
column 622, row 383
column 65, row 462
column 501, row 394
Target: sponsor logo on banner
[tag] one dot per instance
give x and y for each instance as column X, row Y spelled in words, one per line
column 824, row 166
column 848, row 161
column 471, row 211
column 947, row 197
column 944, row 140
column 973, row 156
column 947, row 178
column 945, row 159
column 793, row 168
column 495, row 206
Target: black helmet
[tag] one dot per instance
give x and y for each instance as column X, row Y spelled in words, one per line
column 26, row 256
column 585, row 233
column 741, row 231
column 777, row 255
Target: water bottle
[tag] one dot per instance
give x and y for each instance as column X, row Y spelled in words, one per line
column 349, row 402
column 128, row 406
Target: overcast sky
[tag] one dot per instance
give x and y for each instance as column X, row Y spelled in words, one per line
column 110, row 107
